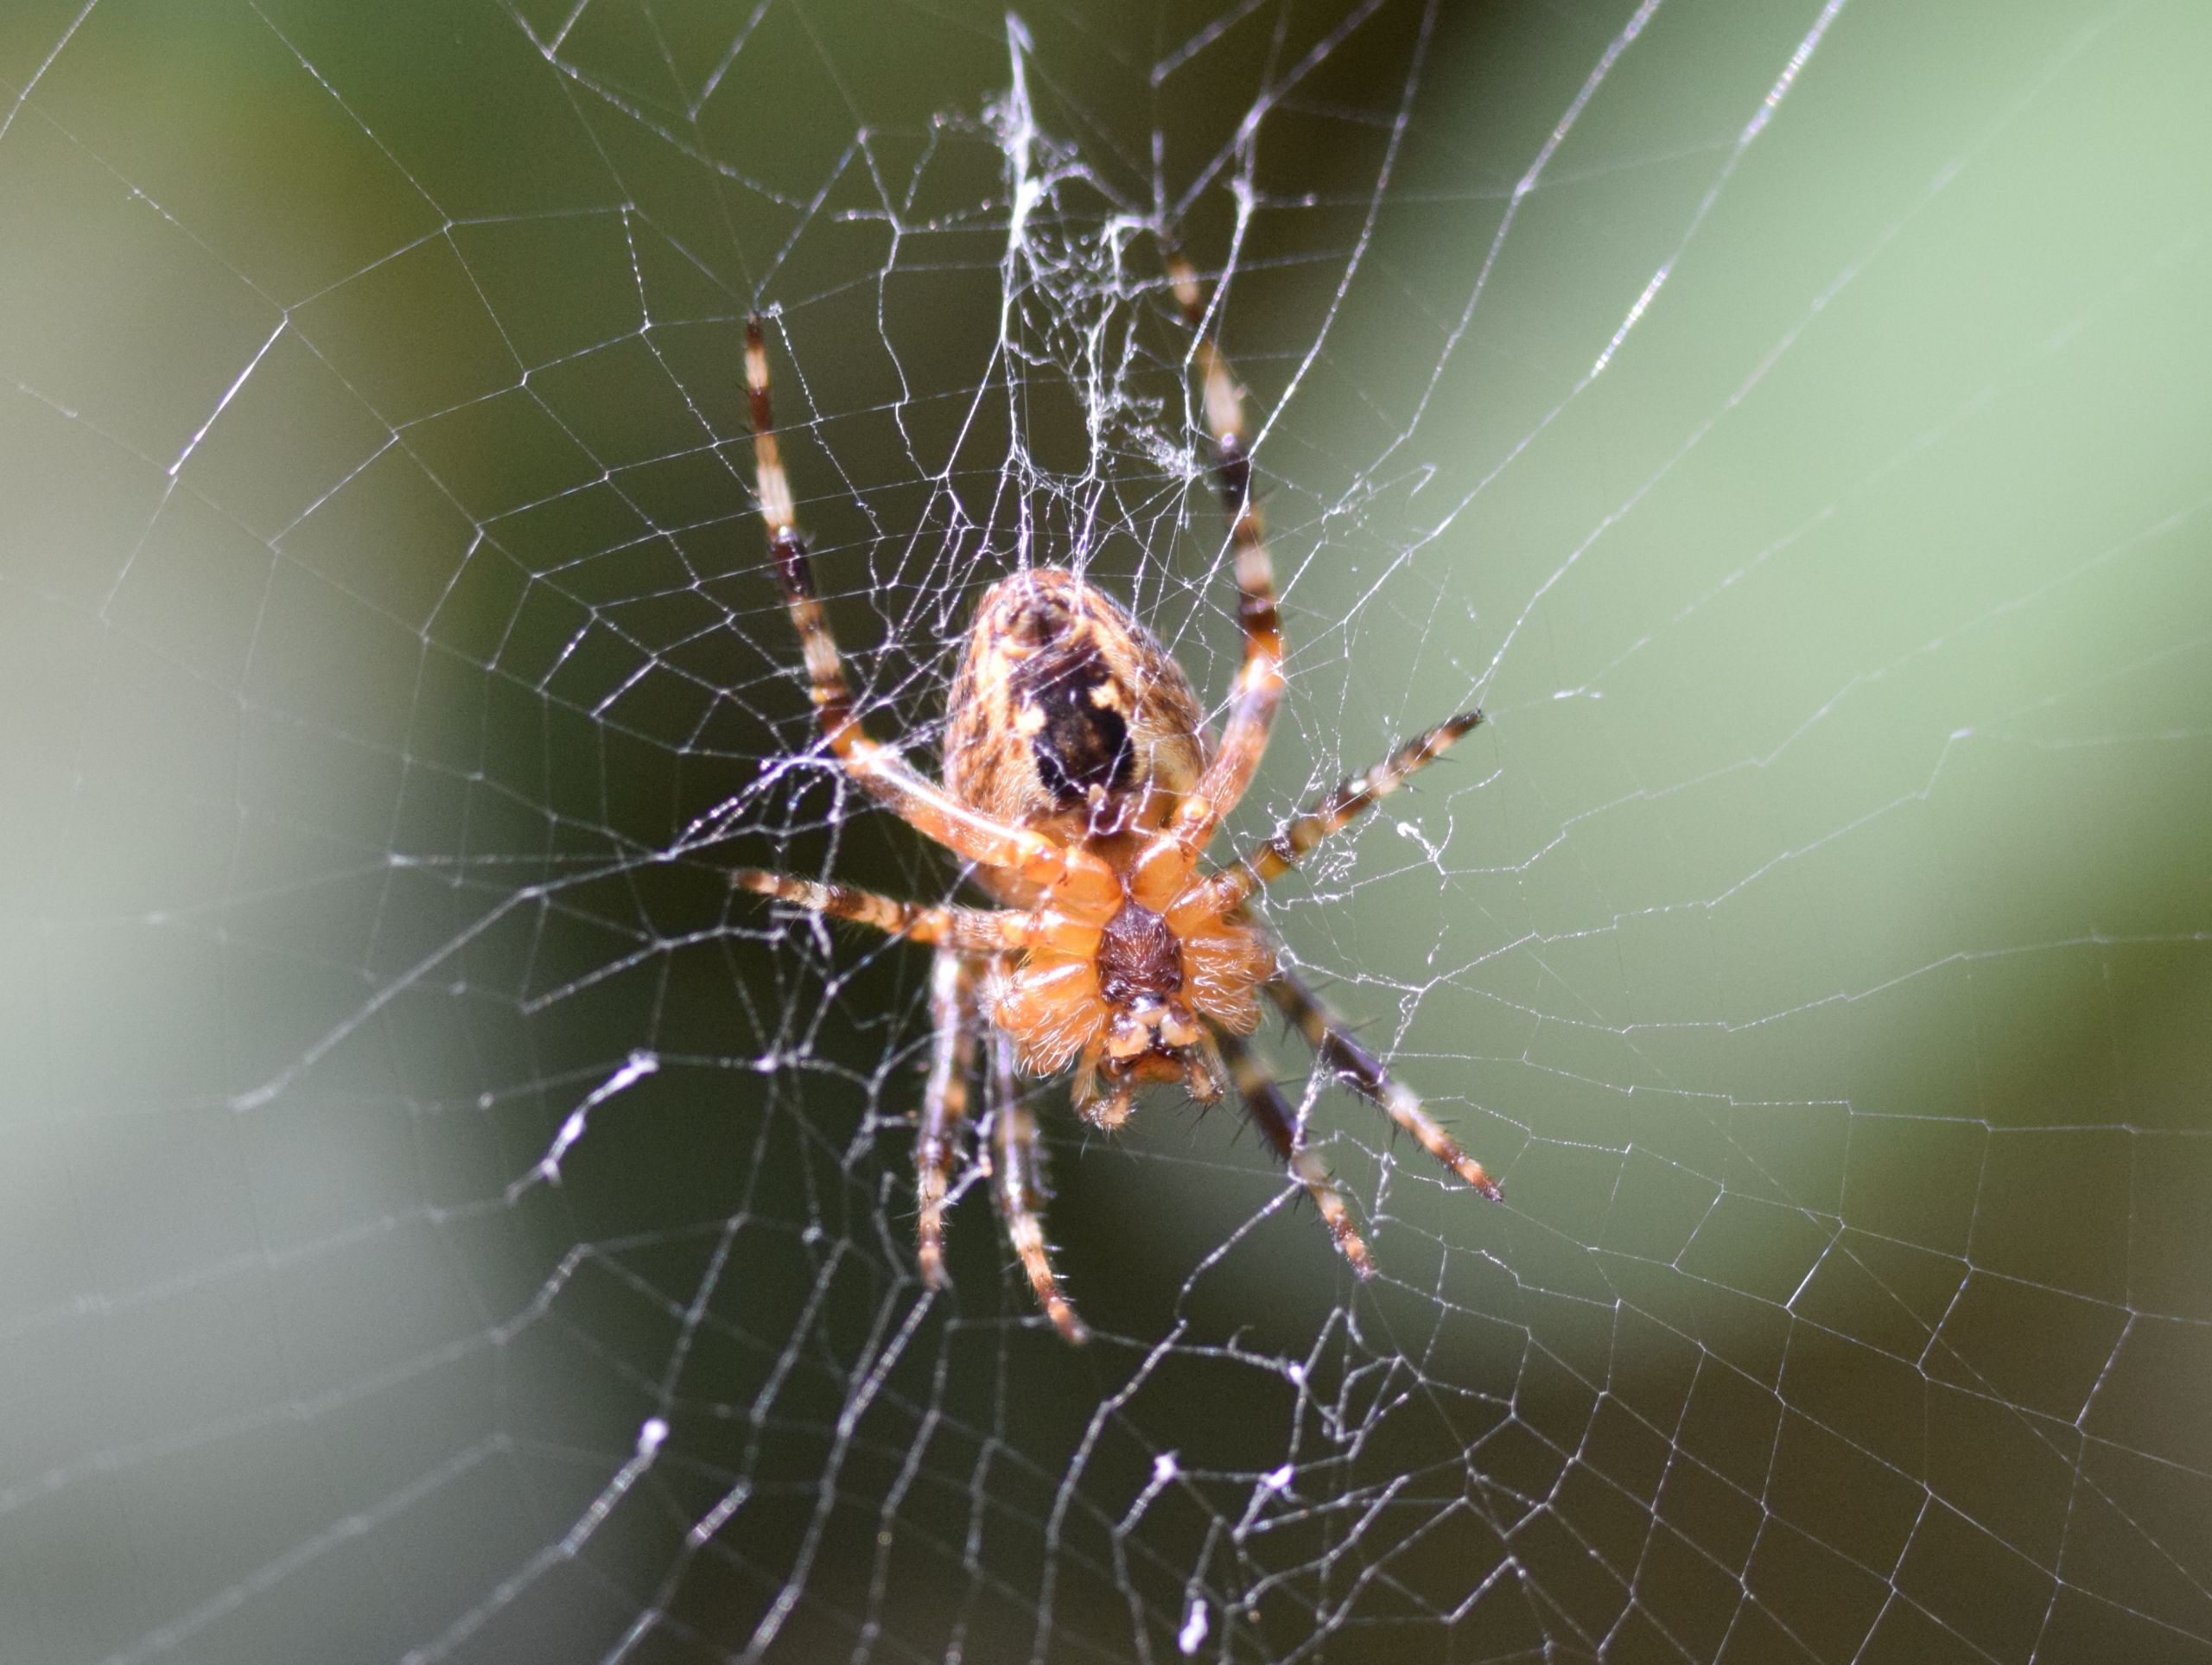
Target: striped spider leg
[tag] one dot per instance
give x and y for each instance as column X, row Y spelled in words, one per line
column 1017, row 1163
column 944, row 1102
column 1245, row 738
column 1018, row 1173
column 1330, row 1038
column 1268, row 1111
column 880, row 770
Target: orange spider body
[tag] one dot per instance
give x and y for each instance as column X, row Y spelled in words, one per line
column 1069, row 719
column 1081, row 787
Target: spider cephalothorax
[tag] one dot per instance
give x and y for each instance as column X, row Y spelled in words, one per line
column 1120, row 987
column 1081, row 787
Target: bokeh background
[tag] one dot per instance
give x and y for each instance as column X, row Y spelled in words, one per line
column 1790, row 423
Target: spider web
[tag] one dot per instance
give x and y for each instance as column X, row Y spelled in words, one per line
column 441, row 1222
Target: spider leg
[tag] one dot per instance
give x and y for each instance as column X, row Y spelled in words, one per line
column 965, row 930
column 1295, row 839
column 1325, row 1033
column 1278, row 1123
column 1020, row 1183
column 944, row 1102
column 880, row 771
column 1259, row 683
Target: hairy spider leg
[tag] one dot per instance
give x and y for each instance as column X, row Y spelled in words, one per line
column 1271, row 1113
column 966, row 929
column 1294, row 841
column 1332, row 1042
column 944, row 1102
column 880, row 771
column 1259, row 683
column 1020, row 1183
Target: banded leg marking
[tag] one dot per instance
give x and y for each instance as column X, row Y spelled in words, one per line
column 945, row 1102
column 970, row 931
column 1259, row 683
column 1278, row 1123
column 1295, row 840
column 1020, row 1182
column 1325, row 1033
column 881, row 772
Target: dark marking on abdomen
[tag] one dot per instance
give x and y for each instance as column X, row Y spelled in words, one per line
column 1081, row 742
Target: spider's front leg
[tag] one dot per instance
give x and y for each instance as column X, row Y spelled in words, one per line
column 1019, row 1182
column 1326, row 1034
column 1259, row 683
column 880, row 770
column 966, row 929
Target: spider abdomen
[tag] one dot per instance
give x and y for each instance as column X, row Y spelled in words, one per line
column 1066, row 715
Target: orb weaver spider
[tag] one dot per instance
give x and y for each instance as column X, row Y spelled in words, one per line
column 1081, row 787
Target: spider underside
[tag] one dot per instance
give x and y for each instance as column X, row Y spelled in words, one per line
column 1081, row 787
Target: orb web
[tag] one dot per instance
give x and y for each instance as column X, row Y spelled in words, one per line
column 444, row 1221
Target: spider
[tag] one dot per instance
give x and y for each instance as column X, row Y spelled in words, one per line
column 1081, row 787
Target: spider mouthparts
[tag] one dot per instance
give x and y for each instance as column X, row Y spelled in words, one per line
column 1128, row 1036
column 1205, row 1077
column 1108, row 1114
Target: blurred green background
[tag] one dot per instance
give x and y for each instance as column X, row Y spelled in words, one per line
column 1817, row 940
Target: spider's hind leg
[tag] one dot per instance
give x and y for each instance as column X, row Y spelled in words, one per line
column 1019, row 1182
column 1333, row 1042
column 1278, row 1124
column 945, row 1102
